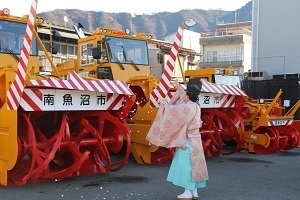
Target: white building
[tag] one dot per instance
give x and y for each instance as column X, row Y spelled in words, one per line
column 228, row 46
column 276, row 43
column 66, row 45
column 190, row 40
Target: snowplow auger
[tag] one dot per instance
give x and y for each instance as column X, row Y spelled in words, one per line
column 64, row 128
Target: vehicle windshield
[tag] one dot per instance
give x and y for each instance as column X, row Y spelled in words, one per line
column 124, row 50
column 11, row 38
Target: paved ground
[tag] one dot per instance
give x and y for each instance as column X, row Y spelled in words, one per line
column 235, row 177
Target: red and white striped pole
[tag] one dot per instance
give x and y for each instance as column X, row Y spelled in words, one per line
column 162, row 89
column 16, row 89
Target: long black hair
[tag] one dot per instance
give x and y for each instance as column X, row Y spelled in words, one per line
column 193, row 97
column 193, row 89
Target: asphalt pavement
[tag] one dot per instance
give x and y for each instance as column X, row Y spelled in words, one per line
column 233, row 177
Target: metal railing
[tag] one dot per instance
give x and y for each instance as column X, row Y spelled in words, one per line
column 225, row 32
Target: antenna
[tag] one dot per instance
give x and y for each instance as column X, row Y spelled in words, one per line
column 66, row 19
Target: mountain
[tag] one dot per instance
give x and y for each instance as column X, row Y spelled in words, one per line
column 158, row 24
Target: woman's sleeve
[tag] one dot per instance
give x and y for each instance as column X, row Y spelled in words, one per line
column 169, row 127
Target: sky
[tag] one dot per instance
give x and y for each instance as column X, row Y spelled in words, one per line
column 137, row 7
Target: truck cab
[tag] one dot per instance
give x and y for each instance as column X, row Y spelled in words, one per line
column 214, row 75
column 12, row 30
column 110, row 54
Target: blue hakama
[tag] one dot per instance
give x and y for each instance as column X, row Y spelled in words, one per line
column 180, row 172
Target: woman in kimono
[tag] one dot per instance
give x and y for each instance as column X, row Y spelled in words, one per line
column 177, row 124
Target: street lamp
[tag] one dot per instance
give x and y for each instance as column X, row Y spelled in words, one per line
column 190, row 22
column 131, row 24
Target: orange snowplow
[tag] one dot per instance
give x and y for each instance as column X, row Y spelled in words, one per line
column 52, row 128
column 268, row 128
column 262, row 124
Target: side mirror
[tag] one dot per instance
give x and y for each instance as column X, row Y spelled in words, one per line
column 96, row 52
column 160, row 58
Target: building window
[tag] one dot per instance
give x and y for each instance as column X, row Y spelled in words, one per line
column 46, row 37
column 58, row 48
column 86, row 54
column 212, row 56
column 62, row 39
column 220, row 56
column 224, row 56
column 71, row 50
column 47, row 46
column 63, row 49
